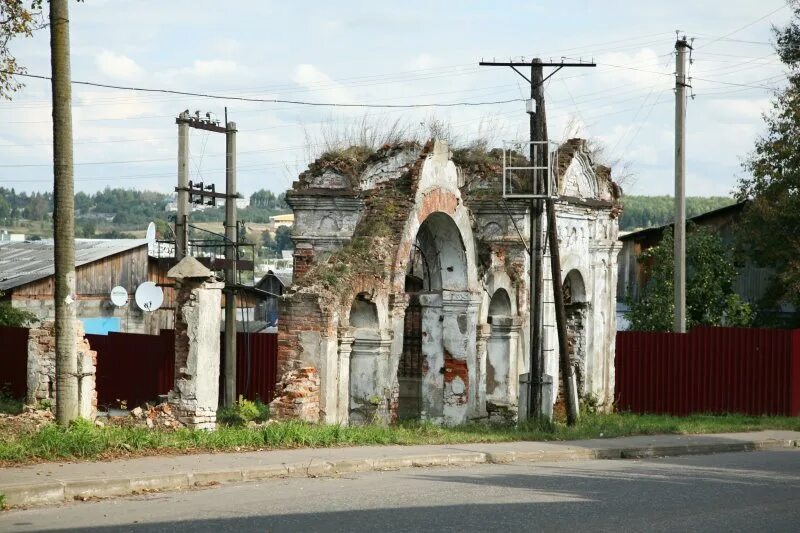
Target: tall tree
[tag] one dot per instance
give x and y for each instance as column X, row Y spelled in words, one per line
column 710, row 300
column 771, row 226
column 67, row 375
column 17, row 18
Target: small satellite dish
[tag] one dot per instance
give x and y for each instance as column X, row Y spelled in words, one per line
column 119, row 296
column 149, row 296
column 150, row 237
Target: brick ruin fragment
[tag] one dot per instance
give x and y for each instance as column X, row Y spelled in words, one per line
column 42, row 368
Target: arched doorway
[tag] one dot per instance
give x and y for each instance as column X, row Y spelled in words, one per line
column 365, row 404
column 499, row 368
column 434, row 371
column 576, row 307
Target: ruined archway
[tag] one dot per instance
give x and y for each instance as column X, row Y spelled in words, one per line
column 576, row 305
column 433, row 371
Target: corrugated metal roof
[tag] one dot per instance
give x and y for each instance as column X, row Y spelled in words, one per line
column 23, row 262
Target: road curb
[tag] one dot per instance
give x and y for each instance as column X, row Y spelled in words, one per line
column 59, row 491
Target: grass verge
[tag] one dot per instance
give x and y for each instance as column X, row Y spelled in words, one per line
column 83, row 441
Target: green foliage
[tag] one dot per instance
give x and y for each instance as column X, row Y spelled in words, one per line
column 2, row 501
column 242, row 412
column 771, row 224
column 11, row 316
column 8, row 404
column 265, row 199
column 710, row 273
column 653, row 211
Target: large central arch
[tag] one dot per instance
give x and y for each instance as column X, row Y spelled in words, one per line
column 433, row 377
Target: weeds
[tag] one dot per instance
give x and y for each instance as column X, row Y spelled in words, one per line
column 82, row 440
column 8, row 404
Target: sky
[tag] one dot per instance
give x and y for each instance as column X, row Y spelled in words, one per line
column 392, row 53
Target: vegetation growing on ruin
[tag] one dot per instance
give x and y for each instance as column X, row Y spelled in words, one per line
column 376, row 236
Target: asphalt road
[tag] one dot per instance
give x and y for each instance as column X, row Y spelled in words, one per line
column 757, row 491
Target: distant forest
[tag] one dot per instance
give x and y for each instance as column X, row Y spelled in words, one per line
column 648, row 211
column 108, row 212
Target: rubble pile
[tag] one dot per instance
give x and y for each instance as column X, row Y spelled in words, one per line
column 161, row 416
column 31, row 419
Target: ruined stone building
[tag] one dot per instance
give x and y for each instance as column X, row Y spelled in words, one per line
column 410, row 294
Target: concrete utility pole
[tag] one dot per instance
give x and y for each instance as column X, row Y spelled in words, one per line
column 231, row 234
column 679, row 282
column 67, row 371
column 181, row 221
column 538, row 136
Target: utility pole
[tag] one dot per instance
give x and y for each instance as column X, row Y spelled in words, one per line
column 230, row 255
column 541, row 190
column 538, row 132
column 182, row 219
column 679, row 282
column 200, row 193
column 67, row 371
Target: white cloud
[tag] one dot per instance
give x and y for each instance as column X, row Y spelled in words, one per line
column 310, row 77
column 207, row 68
column 118, row 66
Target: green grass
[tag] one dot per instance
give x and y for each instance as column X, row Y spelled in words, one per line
column 82, row 440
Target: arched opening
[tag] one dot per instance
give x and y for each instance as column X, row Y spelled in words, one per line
column 576, row 306
column 499, row 369
column 437, row 265
column 365, row 403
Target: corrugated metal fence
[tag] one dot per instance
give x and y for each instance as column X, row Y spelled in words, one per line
column 137, row 368
column 709, row 370
column 14, row 360
column 133, row 367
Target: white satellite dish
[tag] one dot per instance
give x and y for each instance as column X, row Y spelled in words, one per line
column 150, row 237
column 149, row 296
column 119, row 296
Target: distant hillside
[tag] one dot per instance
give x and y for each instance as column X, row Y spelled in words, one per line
column 115, row 212
column 648, row 211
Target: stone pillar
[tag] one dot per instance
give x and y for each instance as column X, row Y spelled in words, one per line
column 459, row 335
column 195, row 396
column 481, row 353
column 433, row 358
column 41, row 378
column 343, row 395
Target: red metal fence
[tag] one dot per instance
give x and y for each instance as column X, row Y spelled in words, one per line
column 137, row 368
column 709, row 370
column 133, row 367
column 14, row 360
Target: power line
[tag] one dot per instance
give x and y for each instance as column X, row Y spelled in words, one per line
column 264, row 100
column 745, row 26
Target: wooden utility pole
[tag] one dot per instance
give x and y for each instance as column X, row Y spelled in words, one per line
column 679, row 282
column 231, row 232
column 67, row 372
column 538, row 132
column 541, row 190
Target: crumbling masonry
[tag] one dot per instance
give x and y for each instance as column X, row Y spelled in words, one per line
column 411, row 296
